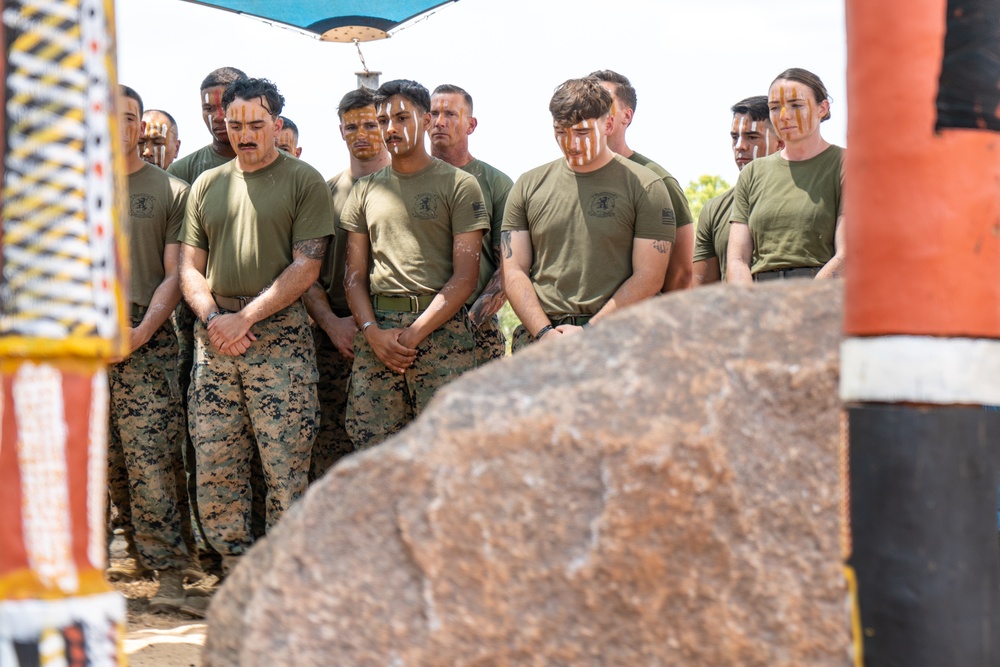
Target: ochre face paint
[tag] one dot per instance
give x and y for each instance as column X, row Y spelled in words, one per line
column 251, row 132
column 581, row 143
column 360, row 130
column 287, row 141
column 158, row 144
column 795, row 113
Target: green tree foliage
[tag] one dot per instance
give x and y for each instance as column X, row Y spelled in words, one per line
column 705, row 188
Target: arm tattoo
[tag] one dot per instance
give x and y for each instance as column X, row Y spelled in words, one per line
column 505, row 245
column 311, row 248
column 662, row 247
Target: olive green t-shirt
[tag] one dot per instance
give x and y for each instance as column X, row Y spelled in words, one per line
column 495, row 186
column 792, row 209
column 582, row 228
column 677, row 197
column 712, row 235
column 155, row 212
column 411, row 221
column 331, row 275
column 248, row 221
column 190, row 167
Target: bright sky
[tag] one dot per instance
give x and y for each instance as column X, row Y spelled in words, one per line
column 689, row 62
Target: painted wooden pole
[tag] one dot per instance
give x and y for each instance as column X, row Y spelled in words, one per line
column 61, row 321
column 922, row 318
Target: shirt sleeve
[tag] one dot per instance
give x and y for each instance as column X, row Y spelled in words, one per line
column 682, row 210
column 741, row 197
column 704, row 239
column 193, row 231
column 352, row 217
column 515, row 218
column 501, row 190
column 468, row 206
column 654, row 214
column 313, row 207
column 176, row 210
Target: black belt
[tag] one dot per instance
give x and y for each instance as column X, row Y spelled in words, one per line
column 575, row 320
column 233, row 304
column 803, row 272
column 402, row 304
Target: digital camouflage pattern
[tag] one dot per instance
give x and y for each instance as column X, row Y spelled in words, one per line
column 332, row 440
column 146, row 426
column 264, row 399
column 490, row 342
column 382, row 402
column 520, row 338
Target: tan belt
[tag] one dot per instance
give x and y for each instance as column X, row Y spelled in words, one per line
column 233, row 304
column 402, row 304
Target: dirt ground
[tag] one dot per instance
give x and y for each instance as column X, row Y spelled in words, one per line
column 159, row 640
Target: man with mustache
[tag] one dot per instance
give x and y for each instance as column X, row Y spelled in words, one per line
column 326, row 301
column 421, row 223
column 254, row 237
column 588, row 234
column 159, row 142
column 753, row 136
column 188, row 168
column 451, row 124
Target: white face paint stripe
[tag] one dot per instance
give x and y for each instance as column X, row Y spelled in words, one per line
column 767, row 141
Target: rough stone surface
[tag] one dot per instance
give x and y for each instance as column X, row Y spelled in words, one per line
column 662, row 490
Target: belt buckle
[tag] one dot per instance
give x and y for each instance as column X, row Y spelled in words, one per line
column 244, row 300
column 414, row 303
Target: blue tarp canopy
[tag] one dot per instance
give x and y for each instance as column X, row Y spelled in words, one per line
column 333, row 20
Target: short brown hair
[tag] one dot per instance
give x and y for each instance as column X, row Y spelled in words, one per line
column 577, row 100
column 810, row 81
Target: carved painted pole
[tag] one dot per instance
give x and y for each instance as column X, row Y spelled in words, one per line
column 922, row 319
column 61, row 314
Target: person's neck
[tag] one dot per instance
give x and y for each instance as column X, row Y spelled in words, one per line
column 456, row 156
column 412, row 163
column 804, row 149
column 602, row 160
column 133, row 162
column 619, row 145
column 267, row 161
column 223, row 149
column 361, row 168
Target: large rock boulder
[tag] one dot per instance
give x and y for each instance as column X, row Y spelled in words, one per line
column 662, row 490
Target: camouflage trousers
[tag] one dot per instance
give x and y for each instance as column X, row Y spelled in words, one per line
column 332, row 441
column 490, row 342
column 145, row 437
column 263, row 400
column 382, row 402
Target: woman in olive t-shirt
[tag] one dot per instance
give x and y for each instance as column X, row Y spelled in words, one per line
column 787, row 218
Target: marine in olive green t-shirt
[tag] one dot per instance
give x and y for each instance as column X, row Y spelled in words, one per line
column 190, row 167
column 156, row 211
column 248, row 221
column 791, row 208
column 411, row 220
column 712, row 235
column 682, row 210
column 582, row 227
column 496, row 187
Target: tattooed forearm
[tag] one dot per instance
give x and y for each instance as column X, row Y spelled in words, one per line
column 505, row 245
column 311, row 248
